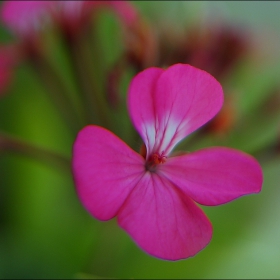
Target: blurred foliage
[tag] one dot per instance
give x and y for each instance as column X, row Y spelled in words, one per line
column 46, row 233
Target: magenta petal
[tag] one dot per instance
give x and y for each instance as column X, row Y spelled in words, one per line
column 141, row 104
column 164, row 222
column 167, row 106
column 105, row 171
column 214, row 176
column 185, row 99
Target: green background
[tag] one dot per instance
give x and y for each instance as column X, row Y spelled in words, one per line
column 46, row 233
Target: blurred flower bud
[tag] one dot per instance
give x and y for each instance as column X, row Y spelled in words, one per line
column 26, row 18
column 215, row 48
column 225, row 120
column 141, row 45
column 113, row 83
column 74, row 16
column 9, row 57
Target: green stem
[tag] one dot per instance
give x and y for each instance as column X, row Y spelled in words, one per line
column 58, row 93
column 88, row 80
column 10, row 143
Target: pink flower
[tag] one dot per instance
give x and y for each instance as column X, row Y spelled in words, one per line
column 154, row 194
column 73, row 15
column 25, row 17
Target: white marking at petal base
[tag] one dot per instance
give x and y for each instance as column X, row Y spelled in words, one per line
column 149, row 134
column 164, row 137
column 171, row 133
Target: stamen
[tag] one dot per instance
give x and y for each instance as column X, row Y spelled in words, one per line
column 158, row 158
column 154, row 160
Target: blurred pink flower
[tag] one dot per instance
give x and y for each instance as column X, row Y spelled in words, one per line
column 154, row 193
column 125, row 10
column 73, row 15
column 25, row 17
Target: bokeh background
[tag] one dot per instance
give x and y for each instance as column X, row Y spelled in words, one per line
column 44, row 230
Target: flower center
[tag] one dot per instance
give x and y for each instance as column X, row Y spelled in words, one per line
column 154, row 160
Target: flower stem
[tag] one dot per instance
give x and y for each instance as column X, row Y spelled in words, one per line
column 87, row 79
column 58, row 93
column 10, row 143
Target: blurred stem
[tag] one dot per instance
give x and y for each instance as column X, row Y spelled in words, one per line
column 10, row 143
column 87, row 79
column 58, row 93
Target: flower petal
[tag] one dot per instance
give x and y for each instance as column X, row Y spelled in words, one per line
column 181, row 99
column 141, row 104
column 163, row 221
column 105, row 170
column 214, row 176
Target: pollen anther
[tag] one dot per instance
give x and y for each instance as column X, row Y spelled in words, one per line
column 154, row 160
column 158, row 158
